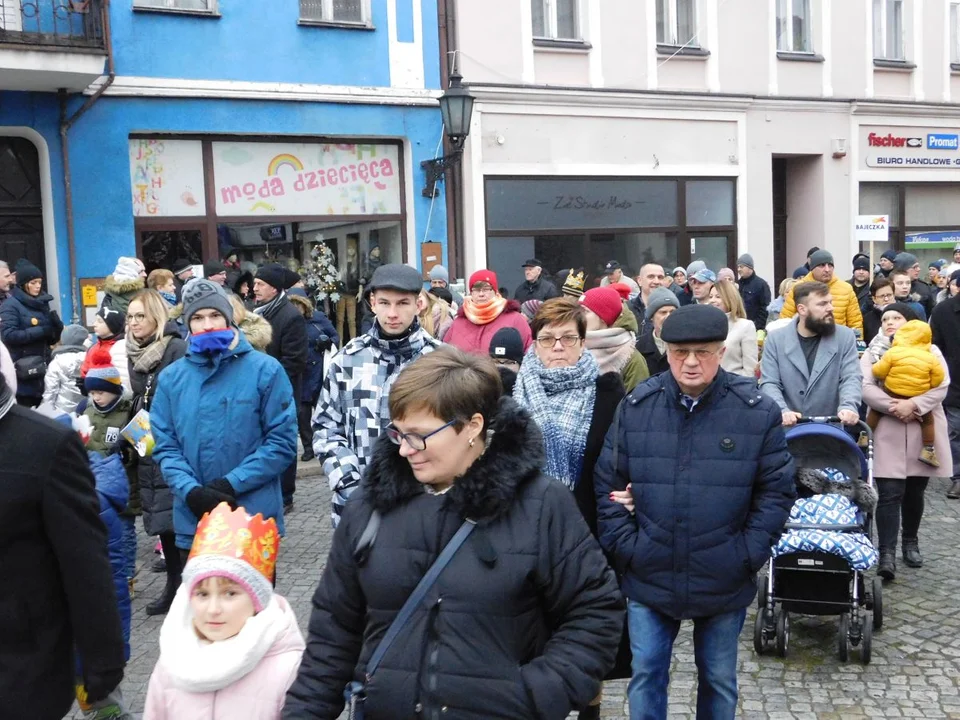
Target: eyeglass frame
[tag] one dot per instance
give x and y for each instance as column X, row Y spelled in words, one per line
column 700, row 354
column 401, row 436
column 555, row 340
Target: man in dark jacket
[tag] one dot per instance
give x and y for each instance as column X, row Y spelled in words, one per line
column 53, row 551
column 754, row 290
column 289, row 342
column 886, row 263
column 535, row 287
column 661, row 303
column 945, row 323
column 712, row 483
column 860, row 282
column 909, row 263
column 182, row 271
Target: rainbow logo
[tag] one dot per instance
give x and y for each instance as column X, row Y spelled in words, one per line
column 284, row 159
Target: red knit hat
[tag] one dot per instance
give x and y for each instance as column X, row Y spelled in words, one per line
column 605, row 302
column 487, row 276
column 621, row 288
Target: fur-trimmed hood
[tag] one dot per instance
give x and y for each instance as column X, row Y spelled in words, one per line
column 818, row 483
column 129, row 287
column 258, row 331
column 303, row 305
column 487, row 490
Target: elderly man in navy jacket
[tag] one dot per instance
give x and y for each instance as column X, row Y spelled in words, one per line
column 709, row 484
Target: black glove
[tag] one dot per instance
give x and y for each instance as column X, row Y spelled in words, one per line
column 223, row 486
column 124, row 449
column 99, row 685
column 202, row 500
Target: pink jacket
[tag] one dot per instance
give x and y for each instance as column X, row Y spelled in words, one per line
column 897, row 445
column 476, row 338
column 257, row 695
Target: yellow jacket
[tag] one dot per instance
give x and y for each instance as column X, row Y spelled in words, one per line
column 846, row 309
column 909, row 368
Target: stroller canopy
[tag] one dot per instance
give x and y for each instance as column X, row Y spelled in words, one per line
column 817, row 445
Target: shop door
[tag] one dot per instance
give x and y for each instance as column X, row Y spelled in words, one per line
column 21, row 214
column 161, row 247
column 713, row 249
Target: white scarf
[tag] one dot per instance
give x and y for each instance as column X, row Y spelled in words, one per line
column 198, row 666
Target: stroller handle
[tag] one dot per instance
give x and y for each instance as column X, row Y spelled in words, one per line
column 830, row 419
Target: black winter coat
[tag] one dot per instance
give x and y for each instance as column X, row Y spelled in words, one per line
column 871, row 322
column 945, row 323
column 155, row 496
column 541, row 289
column 28, row 327
column 530, row 616
column 928, row 295
column 289, row 342
column 656, row 363
column 864, row 298
column 712, row 490
column 59, row 591
column 318, row 328
column 756, row 296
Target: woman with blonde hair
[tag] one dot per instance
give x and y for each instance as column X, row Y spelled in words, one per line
column 435, row 316
column 776, row 305
column 742, row 350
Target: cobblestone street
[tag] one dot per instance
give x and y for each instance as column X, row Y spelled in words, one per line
column 916, row 656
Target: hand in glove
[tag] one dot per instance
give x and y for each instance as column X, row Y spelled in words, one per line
column 99, row 685
column 124, row 449
column 222, row 485
column 202, row 500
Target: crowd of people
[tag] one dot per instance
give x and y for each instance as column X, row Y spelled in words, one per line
column 532, row 492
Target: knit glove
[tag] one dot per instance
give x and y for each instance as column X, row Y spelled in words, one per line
column 124, row 449
column 99, row 685
column 222, row 485
column 202, row 500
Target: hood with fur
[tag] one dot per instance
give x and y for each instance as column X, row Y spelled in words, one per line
column 258, row 331
column 302, row 304
column 126, row 287
column 513, row 457
column 816, row 483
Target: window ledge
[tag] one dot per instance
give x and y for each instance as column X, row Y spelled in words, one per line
column 177, row 11
column 682, row 51
column 903, row 65
column 571, row 45
column 799, row 56
column 955, row 67
column 336, row 24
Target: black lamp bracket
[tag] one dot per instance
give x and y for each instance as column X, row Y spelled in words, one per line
column 435, row 170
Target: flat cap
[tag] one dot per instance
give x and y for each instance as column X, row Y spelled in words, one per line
column 695, row 323
column 533, row 262
column 396, row 276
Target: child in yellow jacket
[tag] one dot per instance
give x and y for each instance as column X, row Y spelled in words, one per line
column 909, row 369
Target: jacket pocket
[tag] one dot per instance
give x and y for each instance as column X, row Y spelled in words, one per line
column 740, row 543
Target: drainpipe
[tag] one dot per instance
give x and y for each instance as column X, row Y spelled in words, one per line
column 65, row 124
column 446, row 10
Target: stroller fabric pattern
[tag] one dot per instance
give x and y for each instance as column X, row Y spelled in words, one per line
column 828, row 510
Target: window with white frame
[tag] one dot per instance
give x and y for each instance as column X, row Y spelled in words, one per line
column 197, row 5
column 888, row 30
column 345, row 11
column 793, row 26
column 955, row 32
column 677, row 23
column 556, row 19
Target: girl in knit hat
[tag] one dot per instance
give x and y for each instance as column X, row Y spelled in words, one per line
column 230, row 647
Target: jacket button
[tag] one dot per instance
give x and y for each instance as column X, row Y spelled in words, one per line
column 443, row 709
column 418, row 708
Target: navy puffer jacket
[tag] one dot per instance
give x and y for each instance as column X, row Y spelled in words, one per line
column 28, row 327
column 712, row 489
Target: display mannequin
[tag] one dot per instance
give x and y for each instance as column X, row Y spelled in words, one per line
column 352, row 291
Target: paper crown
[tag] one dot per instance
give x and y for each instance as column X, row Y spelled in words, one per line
column 234, row 534
column 573, row 285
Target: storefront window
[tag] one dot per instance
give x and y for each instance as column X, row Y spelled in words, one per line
column 880, row 199
column 710, row 202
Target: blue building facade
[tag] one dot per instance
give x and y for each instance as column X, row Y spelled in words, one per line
column 253, row 129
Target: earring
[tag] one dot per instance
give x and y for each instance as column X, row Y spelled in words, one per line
column 472, row 441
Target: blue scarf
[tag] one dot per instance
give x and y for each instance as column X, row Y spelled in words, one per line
column 170, row 297
column 561, row 401
column 213, row 342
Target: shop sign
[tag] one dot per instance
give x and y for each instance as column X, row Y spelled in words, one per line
column 263, row 179
column 937, row 239
column 166, row 177
column 872, row 228
column 900, row 147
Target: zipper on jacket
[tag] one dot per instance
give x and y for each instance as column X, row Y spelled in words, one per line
column 426, row 662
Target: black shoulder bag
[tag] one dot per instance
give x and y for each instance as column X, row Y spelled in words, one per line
column 354, row 693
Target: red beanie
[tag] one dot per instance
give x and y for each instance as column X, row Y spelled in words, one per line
column 487, row 276
column 621, row 288
column 605, row 302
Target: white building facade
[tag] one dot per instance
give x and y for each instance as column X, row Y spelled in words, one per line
column 668, row 130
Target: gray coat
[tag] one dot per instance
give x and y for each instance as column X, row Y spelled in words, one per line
column 834, row 384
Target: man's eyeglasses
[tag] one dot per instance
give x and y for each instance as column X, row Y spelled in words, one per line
column 547, row 341
column 414, row 440
column 504, row 362
column 700, row 354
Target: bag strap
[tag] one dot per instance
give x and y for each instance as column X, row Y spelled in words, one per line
column 418, row 594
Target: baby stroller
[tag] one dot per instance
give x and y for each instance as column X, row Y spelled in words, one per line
column 817, row 567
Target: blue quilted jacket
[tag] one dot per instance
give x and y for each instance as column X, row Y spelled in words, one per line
column 712, row 487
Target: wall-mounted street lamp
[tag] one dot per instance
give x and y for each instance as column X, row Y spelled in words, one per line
column 456, row 109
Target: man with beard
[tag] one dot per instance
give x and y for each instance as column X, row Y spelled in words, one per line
column 7, row 281
column 811, row 367
column 845, row 305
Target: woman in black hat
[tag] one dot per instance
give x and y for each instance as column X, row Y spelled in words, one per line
column 28, row 327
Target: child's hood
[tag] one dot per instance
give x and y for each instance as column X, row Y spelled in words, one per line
column 914, row 333
column 111, row 478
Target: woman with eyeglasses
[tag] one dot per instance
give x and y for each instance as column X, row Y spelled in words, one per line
column 484, row 311
column 524, row 620
column 153, row 343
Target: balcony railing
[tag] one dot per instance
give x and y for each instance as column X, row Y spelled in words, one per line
column 65, row 24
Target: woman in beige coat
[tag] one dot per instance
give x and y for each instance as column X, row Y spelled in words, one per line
column 742, row 351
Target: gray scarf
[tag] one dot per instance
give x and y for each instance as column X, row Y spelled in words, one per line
column 267, row 310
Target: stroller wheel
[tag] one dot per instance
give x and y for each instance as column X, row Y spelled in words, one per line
column 877, row 603
column 843, row 637
column 866, row 643
column 762, row 594
column 759, row 642
column 783, row 633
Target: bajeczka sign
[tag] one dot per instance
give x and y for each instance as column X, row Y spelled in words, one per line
column 872, row 228
column 910, row 147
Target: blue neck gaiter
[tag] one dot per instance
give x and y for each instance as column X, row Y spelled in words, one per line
column 170, row 297
column 213, row 342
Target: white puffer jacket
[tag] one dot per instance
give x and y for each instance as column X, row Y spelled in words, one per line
column 60, row 387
